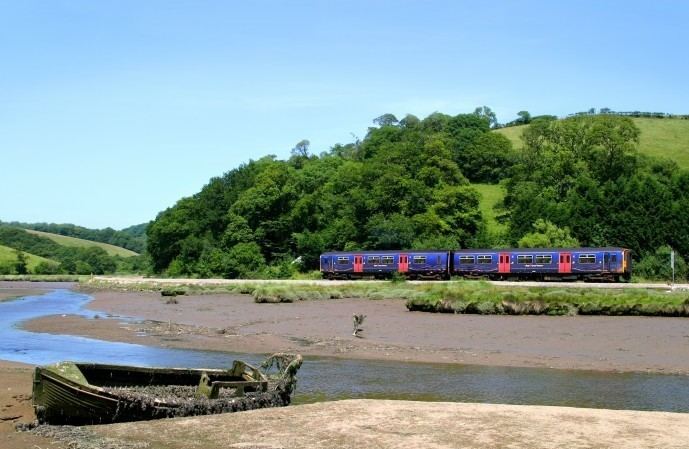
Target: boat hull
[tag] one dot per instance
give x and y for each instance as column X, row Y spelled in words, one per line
column 66, row 396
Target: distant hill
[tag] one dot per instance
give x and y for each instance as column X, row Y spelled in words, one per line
column 667, row 138
column 138, row 231
column 132, row 238
column 81, row 243
column 9, row 256
column 72, row 256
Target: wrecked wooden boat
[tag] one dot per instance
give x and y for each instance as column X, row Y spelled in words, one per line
column 86, row 393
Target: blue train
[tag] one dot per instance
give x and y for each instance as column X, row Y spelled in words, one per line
column 608, row 264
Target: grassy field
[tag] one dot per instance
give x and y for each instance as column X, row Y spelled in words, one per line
column 8, row 255
column 491, row 194
column 514, row 133
column 72, row 241
column 659, row 137
column 665, row 138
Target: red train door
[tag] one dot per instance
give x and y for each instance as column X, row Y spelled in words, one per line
column 504, row 263
column 565, row 265
column 358, row 264
column 403, row 265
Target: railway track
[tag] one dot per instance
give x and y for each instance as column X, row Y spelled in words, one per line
column 133, row 280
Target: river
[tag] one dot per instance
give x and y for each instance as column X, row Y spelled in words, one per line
column 329, row 379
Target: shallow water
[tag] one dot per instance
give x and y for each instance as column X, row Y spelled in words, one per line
column 328, row 379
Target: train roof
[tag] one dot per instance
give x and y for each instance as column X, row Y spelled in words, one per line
column 473, row 250
column 498, row 250
column 386, row 251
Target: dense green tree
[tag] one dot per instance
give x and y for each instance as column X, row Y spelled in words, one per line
column 547, row 235
column 402, row 185
column 301, row 149
column 47, row 268
column 488, row 114
column 386, row 120
column 243, row 259
column 524, row 118
column 584, row 173
column 488, row 158
column 7, row 268
column 21, row 265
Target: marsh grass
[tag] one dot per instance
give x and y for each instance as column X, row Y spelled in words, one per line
column 489, row 299
column 44, row 277
column 475, row 297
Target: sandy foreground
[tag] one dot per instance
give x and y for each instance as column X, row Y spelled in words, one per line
column 228, row 322
column 358, row 423
column 404, row 424
column 236, row 323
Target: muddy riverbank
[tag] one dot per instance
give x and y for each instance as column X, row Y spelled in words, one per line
column 236, row 323
column 15, row 407
column 16, row 289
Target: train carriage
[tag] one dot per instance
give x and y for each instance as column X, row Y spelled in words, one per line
column 544, row 263
column 414, row 264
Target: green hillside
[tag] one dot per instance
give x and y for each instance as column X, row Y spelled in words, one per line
column 659, row 137
column 667, row 138
column 491, row 194
column 8, row 256
column 80, row 243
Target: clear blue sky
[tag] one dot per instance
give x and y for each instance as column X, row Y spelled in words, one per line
column 111, row 111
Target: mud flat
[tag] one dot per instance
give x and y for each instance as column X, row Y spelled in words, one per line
column 15, row 407
column 231, row 322
column 15, row 289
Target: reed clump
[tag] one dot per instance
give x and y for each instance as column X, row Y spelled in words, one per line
column 489, row 299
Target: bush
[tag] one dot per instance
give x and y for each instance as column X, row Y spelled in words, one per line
column 656, row 266
column 244, row 259
column 7, row 268
column 82, row 267
column 47, row 268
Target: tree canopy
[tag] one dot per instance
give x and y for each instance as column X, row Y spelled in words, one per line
column 407, row 184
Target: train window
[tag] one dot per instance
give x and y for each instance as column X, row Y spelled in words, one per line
column 387, row 260
column 484, row 259
column 437, row 260
column 373, row 259
column 544, row 258
column 587, row 258
column 343, row 260
column 524, row 258
column 614, row 258
column 466, row 260
column 419, row 259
